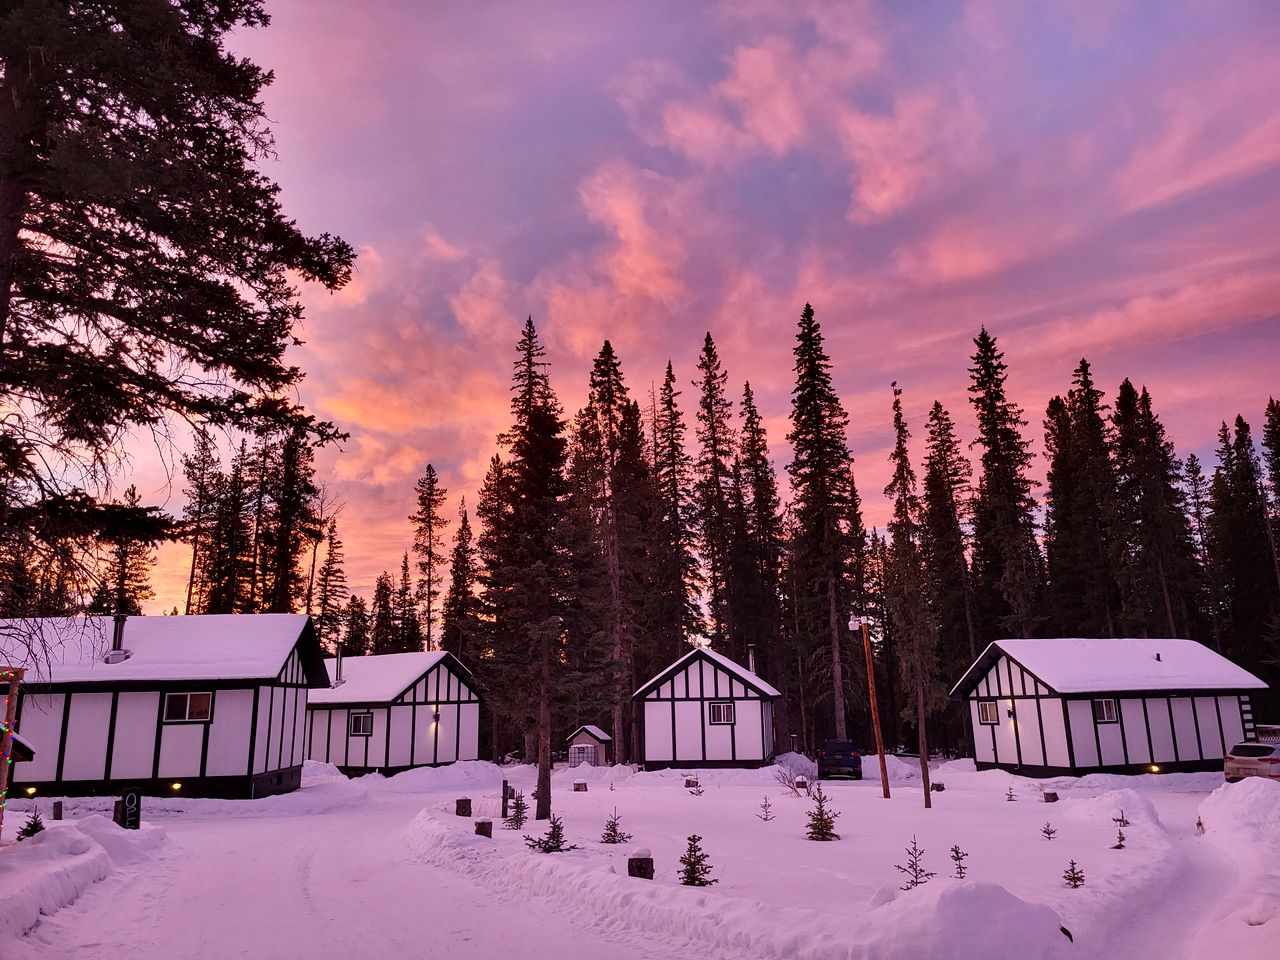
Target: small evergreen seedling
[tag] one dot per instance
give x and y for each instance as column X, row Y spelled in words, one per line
column 1009, row 794
column 695, row 870
column 915, row 871
column 1048, row 831
column 1074, row 876
column 518, row 813
column 1199, row 827
column 958, row 857
column 613, row 832
column 822, row 822
column 766, row 810
column 1119, row 844
column 33, row 826
column 1120, row 821
column 553, row 842
column 697, row 789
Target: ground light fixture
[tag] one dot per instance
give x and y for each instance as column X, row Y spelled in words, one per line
column 31, row 791
column 1154, row 768
column 175, row 786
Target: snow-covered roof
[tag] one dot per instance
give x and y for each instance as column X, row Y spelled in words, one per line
column 1116, row 664
column 208, row 647
column 22, row 748
column 379, row 678
column 737, row 669
column 593, row 730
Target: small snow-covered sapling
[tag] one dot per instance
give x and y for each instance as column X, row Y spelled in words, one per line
column 822, row 822
column 695, row 868
column 33, row 826
column 518, row 812
column 1048, row 831
column 1009, row 794
column 553, row 842
column 1074, row 876
column 1199, row 827
column 613, row 831
column 1119, row 844
column 1120, row 821
column 697, row 789
column 766, row 810
column 915, row 871
column 958, row 857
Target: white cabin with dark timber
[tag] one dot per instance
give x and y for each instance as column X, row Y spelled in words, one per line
column 589, row 745
column 205, row 706
column 1120, row 705
column 394, row 711
column 706, row 711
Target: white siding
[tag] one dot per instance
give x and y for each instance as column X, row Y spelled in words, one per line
column 688, row 730
column 982, row 749
column 1210, row 734
column 749, row 729
column 134, row 751
column 401, row 734
column 424, row 747
column 448, row 740
column 657, row 731
column 1080, row 713
column 1028, row 726
column 470, row 732
column 1185, row 728
column 41, row 725
column 1135, row 729
column 180, row 749
column 1231, row 726
column 720, row 736
column 1161, row 731
column 229, row 734
column 1111, row 741
column 1055, row 732
column 86, row 752
column 1006, row 745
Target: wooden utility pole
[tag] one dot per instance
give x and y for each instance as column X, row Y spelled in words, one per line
column 12, row 678
column 875, row 706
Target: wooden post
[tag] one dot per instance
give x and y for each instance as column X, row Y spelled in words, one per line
column 579, row 786
column 640, row 865
column 875, row 707
column 463, row 807
column 506, row 796
column 484, row 828
column 12, row 678
column 57, row 809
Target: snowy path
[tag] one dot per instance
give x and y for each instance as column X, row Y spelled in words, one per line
column 335, row 885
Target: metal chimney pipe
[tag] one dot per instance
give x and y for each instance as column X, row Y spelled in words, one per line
column 751, row 657
column 337, row 679
column 117, row 632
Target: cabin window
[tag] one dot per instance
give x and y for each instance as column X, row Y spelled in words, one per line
column 361, row 725
column 721, row 712
column 1104, row 711
column 187, row 707
column 988, row 712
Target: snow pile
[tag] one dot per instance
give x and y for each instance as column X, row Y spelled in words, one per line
column 603, row 775
column 1136, row 808
column 47, row 872
column 1247, row 812
column 466, row 774
column 899, row 770
column 940, row 919
column 797, row 764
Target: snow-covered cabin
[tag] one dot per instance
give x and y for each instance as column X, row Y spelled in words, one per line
column 590, row 745
column 1122, row 705
column 206, row 706
column 394, row 711
column 706, row 711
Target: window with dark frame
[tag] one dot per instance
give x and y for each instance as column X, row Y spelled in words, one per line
column 988, row 712
column 360, row 725
column 1104, row 711
column 188, row 707
column 721, row 713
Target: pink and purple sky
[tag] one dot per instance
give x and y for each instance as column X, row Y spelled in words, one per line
column 1096, row 179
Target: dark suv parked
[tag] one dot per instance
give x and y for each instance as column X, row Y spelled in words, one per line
column 839, row 758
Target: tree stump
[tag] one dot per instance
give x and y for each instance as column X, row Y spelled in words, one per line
column 640, row 865
column 579, row 786
column 57, row 809
column 1050, row 796
column 463, row 807
column 484, row 828
column 506, row 796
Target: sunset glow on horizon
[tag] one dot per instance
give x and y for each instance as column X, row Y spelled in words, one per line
column 1098, row 180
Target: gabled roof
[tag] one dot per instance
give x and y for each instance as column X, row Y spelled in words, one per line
column 1114, row 665
column 706, row 653
column 22, row 749
column 591, row 730
column 381, row 678
column 209, row 647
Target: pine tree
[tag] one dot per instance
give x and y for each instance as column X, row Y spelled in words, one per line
column 821, row 476
column 356, row 641
column 915, row 628
column 229, row 566
column 383, row 635
column 958, row 857
column 758, row 552
column 712, row 471
column 1007, row 568
column 1073, row 876
column 128, row 535
column 408, row 626
column 1197, row 490
column 553, row 842
column 695, row 866
column 201, row 470
column 1048, row 831
column 822, row 822
column 613, row 832
column 1120, row 838
column 518, row 813
column 333, row 589
column 428, row 543
column 460, row 612
column 33, row 826
column 766, row 810
column 917, row 875
column 290, row 485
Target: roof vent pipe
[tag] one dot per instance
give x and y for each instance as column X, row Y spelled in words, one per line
column 1158, row 657
column 117, row 633
column 751, row 657
column 337, row 669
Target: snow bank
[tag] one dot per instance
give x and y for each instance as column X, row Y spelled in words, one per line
column 1246, row 812
column 963, row 772
column 47, row 872
column 943, row 918
column 604, row 775
column 466, row 774
column 1108, row 806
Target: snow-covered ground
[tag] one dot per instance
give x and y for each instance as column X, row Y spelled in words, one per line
column 381, row 868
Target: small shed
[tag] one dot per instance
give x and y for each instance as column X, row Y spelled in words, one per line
column 394, row 711
column 1120, row 705
column 590, row 745
column 705, row 710
column 204, row 706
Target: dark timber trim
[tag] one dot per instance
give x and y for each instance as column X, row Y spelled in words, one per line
column 111, row 736
column 62, row 736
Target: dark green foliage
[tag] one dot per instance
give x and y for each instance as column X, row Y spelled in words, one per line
column 695, row 867
column 408, row 625
column 128, row 535
column 713, row 472
column 33, row 826
column 1048, row 831
column 766, row 810
column 822, row 821
column 356, row 640
column 517, row 812
column 958, row 857
column 1120, row 821
column 1009, row 795
column 428, row 544
column 1119, row 844
column 917, row 875
column 332, row 592
column 553, row 842
column 201, row 470
column 696, row 789
column 460, row 625
column 613, row 832
column 382, row 629
column 1073, row 876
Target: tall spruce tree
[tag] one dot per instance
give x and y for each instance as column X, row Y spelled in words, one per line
column 822, row 490
column 383, row 635
column 356, row 641
column 758, row 550
column 292, row 524
column 945, row 497
column 460, row 612
column 229, row 566
column 713, row 477
column 408, row 627
column 200, row 469
column 333, row 592
column 428, row 544
column 1197, row 490
column 1007, row 567
column 128, row 535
